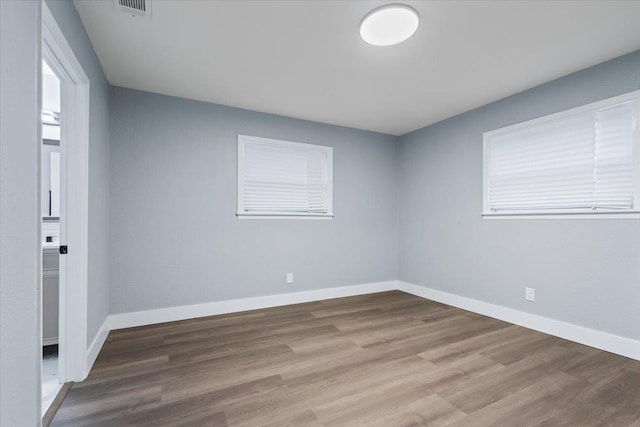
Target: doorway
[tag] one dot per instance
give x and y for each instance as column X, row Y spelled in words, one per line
column 50, row 191
column 64, row 210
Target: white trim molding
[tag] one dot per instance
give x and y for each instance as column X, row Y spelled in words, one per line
column 627, row 214
column 49, row 341
column 296, row 217
column 591, row 337
column 171, row 314
column 97, row 343
column 74, row 179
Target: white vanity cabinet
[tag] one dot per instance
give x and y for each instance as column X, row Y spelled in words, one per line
column 50, row 295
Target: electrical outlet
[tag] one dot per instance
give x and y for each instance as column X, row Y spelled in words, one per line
column 530, row 294
column 289, row 278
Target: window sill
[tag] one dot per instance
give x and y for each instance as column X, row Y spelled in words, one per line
column 627, row 214
column 284, row 216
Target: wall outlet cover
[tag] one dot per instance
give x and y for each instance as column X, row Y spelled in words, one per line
column 530, row 294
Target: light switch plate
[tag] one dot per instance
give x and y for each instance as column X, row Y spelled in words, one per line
column 289, row 278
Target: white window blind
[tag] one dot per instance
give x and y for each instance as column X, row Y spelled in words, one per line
column 580, row 161
column 279, row 178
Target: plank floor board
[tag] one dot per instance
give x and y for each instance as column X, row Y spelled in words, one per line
column 386, row 359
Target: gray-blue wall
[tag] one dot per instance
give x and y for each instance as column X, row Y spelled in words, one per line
column 20, row 246
column 585, row 272
column 69, row 22
column 175, row 238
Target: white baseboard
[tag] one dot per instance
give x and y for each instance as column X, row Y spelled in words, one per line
column 591, row 337
column 170, row 314
column 98, row 342
column 49, row 341
column 598, row 339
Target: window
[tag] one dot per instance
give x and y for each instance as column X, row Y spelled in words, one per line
column 583, row 162
column 282, row 179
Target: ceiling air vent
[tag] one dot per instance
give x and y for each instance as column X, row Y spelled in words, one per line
column 134, row 8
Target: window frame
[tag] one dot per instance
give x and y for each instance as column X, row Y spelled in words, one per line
column 240, row 211
column 583, row 213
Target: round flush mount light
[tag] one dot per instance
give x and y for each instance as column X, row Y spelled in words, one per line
column 389, row 24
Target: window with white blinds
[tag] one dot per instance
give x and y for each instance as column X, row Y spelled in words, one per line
column 283, row 179
column 579, row 161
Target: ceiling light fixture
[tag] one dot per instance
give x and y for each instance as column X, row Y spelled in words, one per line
column 389, row 24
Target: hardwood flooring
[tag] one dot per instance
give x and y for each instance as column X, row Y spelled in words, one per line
column 387, row 359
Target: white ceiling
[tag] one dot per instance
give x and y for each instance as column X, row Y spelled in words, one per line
column 305, row 59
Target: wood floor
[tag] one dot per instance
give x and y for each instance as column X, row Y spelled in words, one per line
column 387, row 359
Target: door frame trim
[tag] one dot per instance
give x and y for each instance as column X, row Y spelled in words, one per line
column 74, row 171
